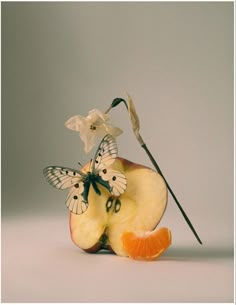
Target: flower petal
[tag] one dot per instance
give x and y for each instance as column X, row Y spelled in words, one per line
column 133, row 114
column 96, row 117
column 101, row 131
column 114, row 131
column 75, row 122
column 134, row 120
column 92, row 126
column 89, row 139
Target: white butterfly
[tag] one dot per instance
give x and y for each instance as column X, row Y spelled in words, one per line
column 79, row 183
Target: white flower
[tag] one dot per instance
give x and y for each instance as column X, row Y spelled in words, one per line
column 93, row 126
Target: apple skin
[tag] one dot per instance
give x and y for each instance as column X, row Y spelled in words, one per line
column 142, row 207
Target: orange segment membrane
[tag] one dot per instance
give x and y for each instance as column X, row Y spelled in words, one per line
column 147, row 246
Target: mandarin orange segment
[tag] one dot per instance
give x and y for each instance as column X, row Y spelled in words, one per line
column 148, row 245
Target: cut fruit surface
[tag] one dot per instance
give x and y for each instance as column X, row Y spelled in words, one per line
column 148, row 245
column 140, row 208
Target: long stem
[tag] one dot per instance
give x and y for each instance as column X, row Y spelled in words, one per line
column 116, row 102
column 172, row 193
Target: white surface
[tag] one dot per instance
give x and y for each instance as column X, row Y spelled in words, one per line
column 41, row 264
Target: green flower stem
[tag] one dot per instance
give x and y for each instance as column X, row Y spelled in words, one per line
column 172, row 193
column 116, row 102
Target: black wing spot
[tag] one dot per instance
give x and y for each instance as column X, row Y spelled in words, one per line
column 76, row 185
column 67, row 172
column 104, row 171
column 75, row 197
column 96, row 161
column 114, row 178
column 74, row 173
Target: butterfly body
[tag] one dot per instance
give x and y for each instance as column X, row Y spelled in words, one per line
column 79, row 183
column 93, row 179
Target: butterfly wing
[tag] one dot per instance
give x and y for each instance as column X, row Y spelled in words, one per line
column 64, row 178
column 75, row 201
column 117, row 181
column 105, row 154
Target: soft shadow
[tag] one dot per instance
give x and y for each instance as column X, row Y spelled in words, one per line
column 102, row 252
column 174, row 253
column 198, row 254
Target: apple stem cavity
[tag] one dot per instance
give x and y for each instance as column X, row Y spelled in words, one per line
column 136, row 126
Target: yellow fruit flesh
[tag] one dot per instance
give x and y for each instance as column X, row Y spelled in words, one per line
column 142, row 206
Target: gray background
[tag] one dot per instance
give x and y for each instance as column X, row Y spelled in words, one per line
column 62, row 59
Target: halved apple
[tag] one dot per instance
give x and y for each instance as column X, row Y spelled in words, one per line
column 138, row 209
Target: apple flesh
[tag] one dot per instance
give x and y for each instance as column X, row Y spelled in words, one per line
column 139, row 209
